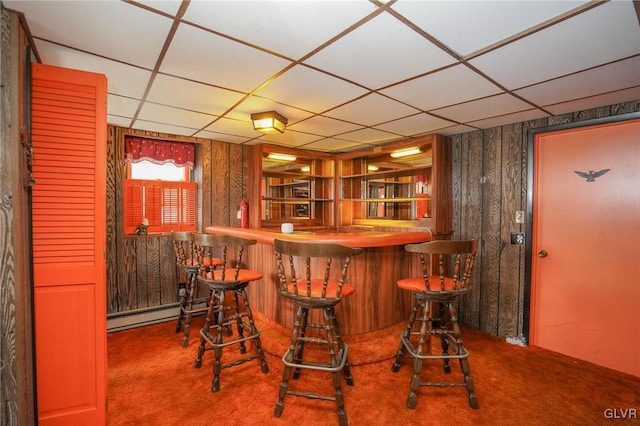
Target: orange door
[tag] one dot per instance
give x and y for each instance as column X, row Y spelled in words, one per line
column 585, row 291
column 69, row 220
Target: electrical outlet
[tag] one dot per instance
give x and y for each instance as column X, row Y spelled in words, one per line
column 517, row 238
column 519, row 216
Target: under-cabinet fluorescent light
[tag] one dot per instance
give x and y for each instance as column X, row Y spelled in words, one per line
column 372, row 168
column 404, row 152
column 305, row 169
column 281, row 157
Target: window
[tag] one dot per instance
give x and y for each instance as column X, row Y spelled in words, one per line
column 159, row 186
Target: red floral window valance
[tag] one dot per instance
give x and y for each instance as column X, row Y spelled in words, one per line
column 159, row 152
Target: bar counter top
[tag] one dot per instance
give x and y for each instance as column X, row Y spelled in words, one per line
column 349, row 238
column 377, row 302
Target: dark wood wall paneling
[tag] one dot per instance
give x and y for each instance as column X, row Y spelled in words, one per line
column 17, row 393
column 141, row 270
column 489, row 185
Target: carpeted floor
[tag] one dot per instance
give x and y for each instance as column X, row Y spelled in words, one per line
column 152, row 381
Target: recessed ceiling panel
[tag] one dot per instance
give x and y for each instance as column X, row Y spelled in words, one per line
column 290, row 28
column 205, row 57
column 603, row 34
column 381, row 52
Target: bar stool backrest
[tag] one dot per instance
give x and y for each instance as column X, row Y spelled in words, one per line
column 446, row 264
column 302, row 284
column 230, row 250
column 183, row 248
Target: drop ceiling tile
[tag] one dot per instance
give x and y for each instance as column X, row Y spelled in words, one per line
column 333, row 145
column 115, row 30
column 192, row 95
column 603, row 34
column 294, row 88
column 468, row 26
column 451, row 86
column 124, row 80
column 323, row 126
column 114, row 120
column 371, row 110
column 456, row 130
column 369, row 136
column 167, row 6
column 207, row 58
column 414, row 125
column 587, row 83
column 532, row 114
column 628, row 95
column 122, row 106
column 235, row 127
column 206, row 134
column 174, row 116
column 152, row 126
column 483, row 108
column 381, row 52
column 290, row 28
column 290, row 138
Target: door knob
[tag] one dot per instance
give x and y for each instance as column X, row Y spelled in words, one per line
column 542, row 253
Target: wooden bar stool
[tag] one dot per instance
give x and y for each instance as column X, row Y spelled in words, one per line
column 189, row 259
column 228, row 279
column 434, row 313
column 321, row 294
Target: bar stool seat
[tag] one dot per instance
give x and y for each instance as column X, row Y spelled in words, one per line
column 228, row 318
column 189, row 260
column 322, row 295
column 447, row 267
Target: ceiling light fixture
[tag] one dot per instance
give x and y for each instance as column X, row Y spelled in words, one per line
column 281, row 157
column 305, row 169
column 269, row 123
column 372, row 168
column 404, row 152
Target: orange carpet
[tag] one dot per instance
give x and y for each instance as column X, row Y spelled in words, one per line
column 152, row 381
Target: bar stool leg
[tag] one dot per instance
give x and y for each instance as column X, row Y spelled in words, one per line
column 405, row 336
column 254, row 331
column 290, row 356
column 329, row 321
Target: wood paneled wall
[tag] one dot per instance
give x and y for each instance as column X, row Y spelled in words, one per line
column 489, row 185
column 141, row 270
column 17, row 389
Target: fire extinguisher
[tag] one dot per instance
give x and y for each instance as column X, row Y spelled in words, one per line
column 243, row 213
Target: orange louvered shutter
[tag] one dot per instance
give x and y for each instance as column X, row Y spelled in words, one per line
column 133, row 196
column 68, row 122
column 169, row 206
column 188, row 206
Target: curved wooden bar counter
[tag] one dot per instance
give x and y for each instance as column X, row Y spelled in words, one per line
column 377, row 302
